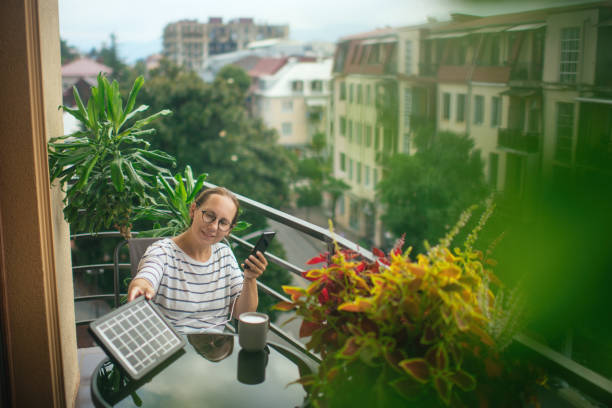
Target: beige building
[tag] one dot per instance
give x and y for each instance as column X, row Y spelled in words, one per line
column 532, row 89
column 186, row 43
column 365, row 66
column 577, row 92
column 189, row 42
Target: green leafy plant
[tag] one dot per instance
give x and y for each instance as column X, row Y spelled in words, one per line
column 171, row 212
column 107, row 168
column 402, row 328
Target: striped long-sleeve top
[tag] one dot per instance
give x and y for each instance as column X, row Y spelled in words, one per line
column 193, row 295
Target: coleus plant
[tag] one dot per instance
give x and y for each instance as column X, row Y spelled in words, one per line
column 415, row 324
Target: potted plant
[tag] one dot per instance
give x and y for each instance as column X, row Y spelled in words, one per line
column 107, row 168
column 170, row 212
column 425, row 328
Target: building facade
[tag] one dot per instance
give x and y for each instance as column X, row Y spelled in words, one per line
column 189, row 42
column 532, row 89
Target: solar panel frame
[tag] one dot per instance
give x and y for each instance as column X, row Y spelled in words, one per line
column 137, row 336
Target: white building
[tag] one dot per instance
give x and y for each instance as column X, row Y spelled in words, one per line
column 294, row 101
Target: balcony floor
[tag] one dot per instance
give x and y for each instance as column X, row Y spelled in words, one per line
column 89, row 358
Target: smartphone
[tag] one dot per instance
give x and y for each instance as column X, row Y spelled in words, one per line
column 262, row 244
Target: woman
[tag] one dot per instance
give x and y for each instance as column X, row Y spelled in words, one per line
column 193, row 277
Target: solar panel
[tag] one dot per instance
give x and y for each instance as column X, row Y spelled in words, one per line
column 137, row 336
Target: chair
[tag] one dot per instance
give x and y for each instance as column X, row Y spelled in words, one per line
column 137, row 248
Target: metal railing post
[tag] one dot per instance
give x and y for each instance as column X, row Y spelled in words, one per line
column 116, row 272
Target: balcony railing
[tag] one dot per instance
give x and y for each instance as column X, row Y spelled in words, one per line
column 589, row 382
column 428, row 69
column 514, row 139
column 326, row 237
column 526, row 71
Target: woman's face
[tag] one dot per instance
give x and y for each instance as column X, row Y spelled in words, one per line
column 218, row 208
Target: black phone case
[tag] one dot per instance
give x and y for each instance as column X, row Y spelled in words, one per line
column 262, row 244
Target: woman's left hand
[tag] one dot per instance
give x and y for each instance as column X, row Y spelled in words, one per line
column 254, row 266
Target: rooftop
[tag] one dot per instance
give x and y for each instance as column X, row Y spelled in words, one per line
column 267, row 66
column 84, row 67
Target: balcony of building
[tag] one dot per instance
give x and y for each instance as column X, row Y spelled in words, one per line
column 518, row 140
column 525, row 73
column 428, row 69
column 570, row 381
column 38, row 349
column 594, row 137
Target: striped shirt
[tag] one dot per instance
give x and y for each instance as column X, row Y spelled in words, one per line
column 193, row 295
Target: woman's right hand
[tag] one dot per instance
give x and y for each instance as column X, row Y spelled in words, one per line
column 140, row 287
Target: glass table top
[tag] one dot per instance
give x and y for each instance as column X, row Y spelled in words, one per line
column 212, row 371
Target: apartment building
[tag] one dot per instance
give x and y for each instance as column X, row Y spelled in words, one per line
column 488, row 73
column 291, row 95
column 189, row 42
column 365, row 65
column 577, row 93
column 532, row 89
column 185, row 42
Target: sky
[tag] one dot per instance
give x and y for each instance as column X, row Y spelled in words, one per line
column 138, row 24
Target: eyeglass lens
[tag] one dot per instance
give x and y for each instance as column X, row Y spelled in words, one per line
column 210, row 217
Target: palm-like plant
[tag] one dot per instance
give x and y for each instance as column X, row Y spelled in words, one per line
column 107, row 168
column 171, row 212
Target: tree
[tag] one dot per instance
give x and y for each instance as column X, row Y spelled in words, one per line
column 236, row 75
column 425, row 193
column 211, row 131
column 67, row 52
column 109, row 56
column 335, row 188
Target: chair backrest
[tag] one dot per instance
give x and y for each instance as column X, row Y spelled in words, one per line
column 137, row 248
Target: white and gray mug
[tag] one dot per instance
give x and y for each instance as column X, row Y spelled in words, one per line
column 253, row 330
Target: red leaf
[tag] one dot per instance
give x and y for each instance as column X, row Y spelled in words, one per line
column 324, row 296
column 417, row 368
column 305, row 276
column 307, row 328
column 360, row 267
column 317, row 259
column 378, row 252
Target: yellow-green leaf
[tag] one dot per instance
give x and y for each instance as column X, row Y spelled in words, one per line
column 358, row 305
column 463, row 380
column 284, row 306
column 294, row 291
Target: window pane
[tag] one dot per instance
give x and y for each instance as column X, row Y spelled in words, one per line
column 446, row 106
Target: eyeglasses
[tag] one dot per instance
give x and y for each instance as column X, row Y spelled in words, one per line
column 209, row 217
